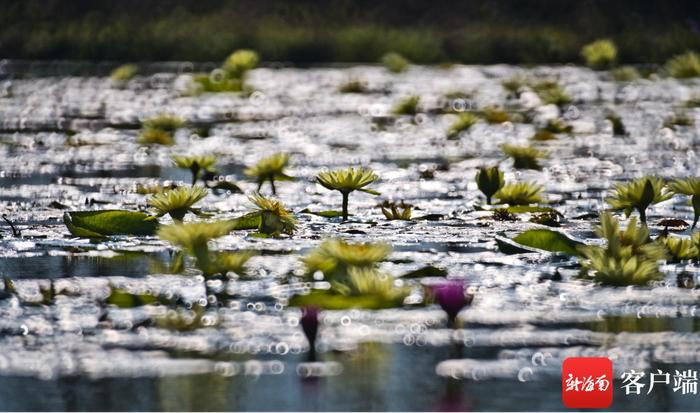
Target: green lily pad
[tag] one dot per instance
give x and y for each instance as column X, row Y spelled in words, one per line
column 124, row 299
column 247, row 221
column 97, row 224
column 538, row 240
column 325, row 214
column 527, row 209
column 330, row 301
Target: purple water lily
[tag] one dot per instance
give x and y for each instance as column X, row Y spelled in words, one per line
column 309, row 323
column 452, row 298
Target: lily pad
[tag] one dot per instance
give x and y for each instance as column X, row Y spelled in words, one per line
column 124, row 299
column 97, row 224
column 537, row 240
column 247, row 221
column 331, row 301
column 325, row 214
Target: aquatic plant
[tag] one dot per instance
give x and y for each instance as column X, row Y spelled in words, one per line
column 224, row 262
column 346, row 181
column 395, row 62
column 684, row 65
column 155, row 137
column 270, row 169
column 156, row 188
column 628, row 258
column 625, row 74
column 391, row 210
column 514, row 85
column 333, row 258
column 519, row 193
column 495, row 115
column 353, row 86
column 691, row 187
column 196, row 164
column 617, row 126
column 123, row 73
column 177, row 202
column 678, row 120
column 681, row 249
column 489, row 180
column 692, row 102
column 275, row 219
column 238, row 63
column 159, row 130
column 638, row 195
column 524, row 157
column 558, row 126
column 363, row 281
column 194, row 237
column 464, row 122
column 452, row 298
column 503, row 215
column 543, row 135
column 600, row 54
column 407, row 106
column 230, row 76
column 551, row 93
column 164, row 122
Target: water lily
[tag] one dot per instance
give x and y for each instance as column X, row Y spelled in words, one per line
column 275, row 218
column 333, row 257
column 177, row 202
column 194, row 238
column 680, row 249
column 270, row 169
column 628, row 258
column 123, row 74
column 520, row 193
column 367, row 281
column 346, row 181
column 638, row 195
column 160, row 130
column 524, row 157
column 407, row 106
column 240, row 62
column 195, row 164
column 685, row 65
column 452, row 298
column 395, row 62
column 489, row 181
column 600, row 54
column 691, row 187
column 391, row 210
column 464, row 122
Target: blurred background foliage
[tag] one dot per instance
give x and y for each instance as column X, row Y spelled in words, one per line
column 306, row 31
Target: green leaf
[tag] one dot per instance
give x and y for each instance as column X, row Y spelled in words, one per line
column 247, row 221
column 527, row 209
column 97, row 224
column 325, row 214
column 548, row 240
column 124, row 299
column 331, row 301
column 369, row 191
column 427, row 271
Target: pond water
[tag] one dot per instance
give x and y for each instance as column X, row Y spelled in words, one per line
column 69, row 143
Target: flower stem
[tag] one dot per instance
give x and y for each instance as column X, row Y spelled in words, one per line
column 643, row 216
column 345, row 205
column 272, row 185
